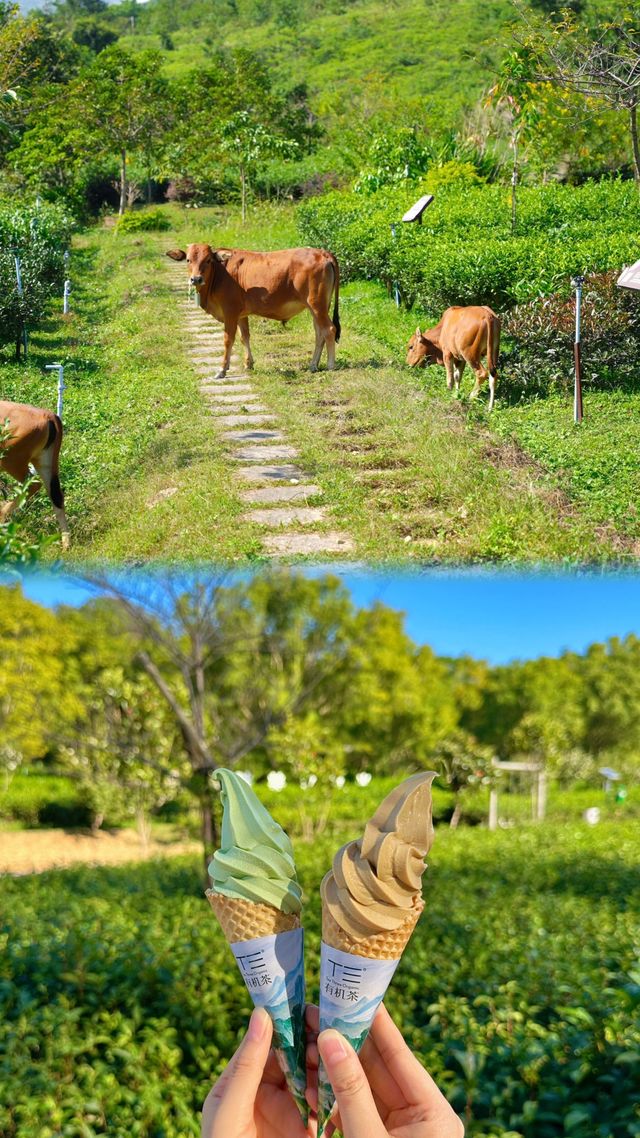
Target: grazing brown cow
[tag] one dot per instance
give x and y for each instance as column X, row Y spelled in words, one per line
column 234, row 284
column 463, row 336
column 33, row 437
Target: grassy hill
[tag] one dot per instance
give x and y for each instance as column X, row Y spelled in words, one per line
column 435, row 56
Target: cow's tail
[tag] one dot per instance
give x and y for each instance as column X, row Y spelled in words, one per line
column 336, row 296
column 55, row 442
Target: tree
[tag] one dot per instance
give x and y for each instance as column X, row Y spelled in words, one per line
column 516, row 93
column 34, row 695
column 601, row 63
column 246, row 142
column 462, row 763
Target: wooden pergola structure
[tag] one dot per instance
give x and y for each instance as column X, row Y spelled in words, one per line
column 538, row 790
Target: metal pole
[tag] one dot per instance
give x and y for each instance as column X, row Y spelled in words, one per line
column 60, row 369
column 577, row 283
column 65, row 297
column 396, row 290
column 16, row 257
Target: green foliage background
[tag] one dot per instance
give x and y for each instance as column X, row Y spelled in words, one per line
column 520, row 989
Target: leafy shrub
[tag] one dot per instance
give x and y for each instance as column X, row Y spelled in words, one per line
column 542, row 333
column 143, row 220
column 37, row 798
column 120, row 1001
column 40, row 236
column 464, row 252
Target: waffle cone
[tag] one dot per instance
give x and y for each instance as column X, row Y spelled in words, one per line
column 382, row 946
column 246, row 920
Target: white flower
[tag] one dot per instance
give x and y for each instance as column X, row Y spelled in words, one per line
column 363, row 778
column 592, row 815
column 305, row 783
column 276, row 780
column 246, row 775
column 340, row 781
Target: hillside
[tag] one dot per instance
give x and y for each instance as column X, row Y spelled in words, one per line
column 435, row 56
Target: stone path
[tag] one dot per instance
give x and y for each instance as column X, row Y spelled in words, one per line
column 275, row 489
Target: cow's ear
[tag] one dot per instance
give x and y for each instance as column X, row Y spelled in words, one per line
column 177, row 254
column 223, row 255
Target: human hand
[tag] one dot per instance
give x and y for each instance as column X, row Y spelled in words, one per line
column 251, row 1099
column 384, row 1094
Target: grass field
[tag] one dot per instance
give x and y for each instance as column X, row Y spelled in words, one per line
column 119, row 1001
column 409, row 471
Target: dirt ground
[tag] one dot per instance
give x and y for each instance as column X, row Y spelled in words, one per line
column 33, row 851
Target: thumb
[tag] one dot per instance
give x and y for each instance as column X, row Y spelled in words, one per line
column 244, row 1073
column 358, row 1113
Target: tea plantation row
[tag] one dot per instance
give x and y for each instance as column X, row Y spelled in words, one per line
column 119, row 1001
column 464, row 251
column 38, row 236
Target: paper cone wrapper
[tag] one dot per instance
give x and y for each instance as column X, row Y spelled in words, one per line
column 354, row 977
column 269, row 950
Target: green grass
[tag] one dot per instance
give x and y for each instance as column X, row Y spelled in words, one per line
column 409, row 471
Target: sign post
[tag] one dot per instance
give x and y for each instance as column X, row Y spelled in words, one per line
column 414, row 213
column 577, row 283
column 20, row 288
column 60, row 369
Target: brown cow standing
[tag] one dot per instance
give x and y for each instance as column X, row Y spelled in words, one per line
column 234, row 284
column 463, row 336
column 34, row 438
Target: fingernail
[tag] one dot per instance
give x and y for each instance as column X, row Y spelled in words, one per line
column 257, row 1024
column 332, row 1046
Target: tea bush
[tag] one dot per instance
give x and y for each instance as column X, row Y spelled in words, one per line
column 120, row 1002
column 539, row 337
column 464, row 251
column 40, row 235
column 142, row 221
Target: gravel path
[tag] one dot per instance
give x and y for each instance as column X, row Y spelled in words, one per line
column 34, row 851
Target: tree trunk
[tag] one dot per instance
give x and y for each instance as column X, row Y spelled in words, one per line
column 633, row 123
column 455, row 817
column 210, row 830
column 123, row 182
column 514, row 186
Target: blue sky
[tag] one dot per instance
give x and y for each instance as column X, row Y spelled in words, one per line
column 499, row 616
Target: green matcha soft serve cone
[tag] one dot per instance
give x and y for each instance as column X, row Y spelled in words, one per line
column 257, row 900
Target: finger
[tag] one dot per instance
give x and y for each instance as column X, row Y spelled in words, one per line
column 414, row 1083
column 358, row 1114
column 312, row 1018
column 235, row 1104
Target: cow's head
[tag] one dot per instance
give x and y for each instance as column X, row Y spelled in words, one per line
column 201, row 262
column 421, row 350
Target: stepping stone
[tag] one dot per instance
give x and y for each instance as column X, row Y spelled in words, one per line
column 244, row 420
column 253, row 436
column 224, row 388
column 307, row 543
column 303, row 515
column 265, row 453
column 282, row 472
column 266, row 494
column 215, row 384
column 237, row 398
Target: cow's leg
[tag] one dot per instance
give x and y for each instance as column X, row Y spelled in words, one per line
column 20, row 473
column 230, row 329
column 492, row 389
column 458, row 372
column 481, row 374
column 44, row 466
column 243, row 325
column 448, row 367
column 317, row 351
